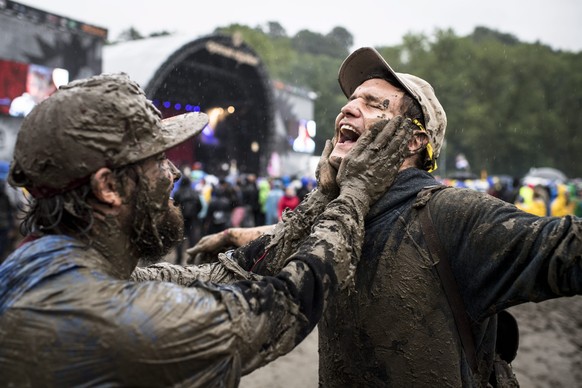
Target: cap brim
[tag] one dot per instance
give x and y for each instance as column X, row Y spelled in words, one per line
column 178, row 129
column 362, row 63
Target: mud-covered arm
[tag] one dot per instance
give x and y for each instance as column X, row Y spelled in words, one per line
column 209, row 330
column 310, row 275
column 215, row 243
column 216, row 332
column 502, row 256
column 224, row 270
column 294, row 226
column 252, row 242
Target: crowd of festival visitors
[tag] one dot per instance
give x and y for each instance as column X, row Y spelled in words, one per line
column 211, row 204
column 247, row 200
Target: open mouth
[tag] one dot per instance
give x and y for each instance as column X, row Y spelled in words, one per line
column 348, row 134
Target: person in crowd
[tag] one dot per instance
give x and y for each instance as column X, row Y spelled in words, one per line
column 205, row 189
column 72, row 298
column 562, row 204
column 190, row 204
column 307, row 185
column 289, row 200
column 219, row 211
column 578, row 199
column 7, row 220
column 264, row 189
column 272, row 202
column 533, row 200
column 397, row 326
column 250, row 199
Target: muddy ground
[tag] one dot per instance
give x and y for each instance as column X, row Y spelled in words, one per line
column 549, row 355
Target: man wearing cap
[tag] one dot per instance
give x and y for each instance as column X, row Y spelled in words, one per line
column 396, row 326
column 92, row 155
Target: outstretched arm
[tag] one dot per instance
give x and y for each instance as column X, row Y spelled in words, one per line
column 294, row 226
column 213, row 244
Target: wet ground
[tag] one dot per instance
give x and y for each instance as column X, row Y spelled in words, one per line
column 549, row 355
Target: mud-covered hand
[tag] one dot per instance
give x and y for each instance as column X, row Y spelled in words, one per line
column 371, row 166
column 326, row 173
column 209, row 244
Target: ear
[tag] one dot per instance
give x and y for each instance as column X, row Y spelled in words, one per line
column 104, row 186
column 417, row 141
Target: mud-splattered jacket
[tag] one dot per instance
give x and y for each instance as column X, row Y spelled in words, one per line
column 67, row 319
column 396, row 328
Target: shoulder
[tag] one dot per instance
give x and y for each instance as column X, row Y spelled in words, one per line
column 451, row 202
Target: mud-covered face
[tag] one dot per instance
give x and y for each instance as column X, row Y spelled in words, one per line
column 375, row 99
column 158, row 225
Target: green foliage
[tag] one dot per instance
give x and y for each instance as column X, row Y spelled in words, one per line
column 510, row 105
column 342, row 38
column 276, row 30
column 314, row 43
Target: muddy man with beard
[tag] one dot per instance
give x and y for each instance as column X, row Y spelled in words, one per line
column 75, row 310
column 394, row 326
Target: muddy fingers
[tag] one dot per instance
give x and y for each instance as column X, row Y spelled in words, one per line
column 326, row 173
column 371, row 166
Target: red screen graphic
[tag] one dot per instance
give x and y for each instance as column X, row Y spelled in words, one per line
column 22, row 86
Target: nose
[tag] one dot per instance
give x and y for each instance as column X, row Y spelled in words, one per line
column 351, row 109
column 176, row 174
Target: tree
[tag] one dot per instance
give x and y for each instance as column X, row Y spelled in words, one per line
column 481, row 34
column 276, row 30
column 130, row 34
column 314, row 43
column 159, row 33
column 342, row 37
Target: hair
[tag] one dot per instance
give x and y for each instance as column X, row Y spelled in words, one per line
column 185, row 181
column 69, row 212
column 410, row 108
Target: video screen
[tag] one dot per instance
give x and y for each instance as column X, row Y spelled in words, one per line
column 24, row 85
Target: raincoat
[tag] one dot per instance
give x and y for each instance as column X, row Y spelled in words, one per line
column 562, row 205
column 68, row 319
column 396, row 328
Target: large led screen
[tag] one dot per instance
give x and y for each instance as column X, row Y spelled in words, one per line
column 23, row 85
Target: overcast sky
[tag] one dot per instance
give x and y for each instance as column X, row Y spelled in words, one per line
column 372, row 22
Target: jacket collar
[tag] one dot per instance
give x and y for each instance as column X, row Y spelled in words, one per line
column 404, row 189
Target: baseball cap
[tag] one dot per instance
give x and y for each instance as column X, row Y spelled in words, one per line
column 363, row 62
column 102, row 121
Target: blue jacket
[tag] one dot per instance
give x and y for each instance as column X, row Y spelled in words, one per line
column 68, row 319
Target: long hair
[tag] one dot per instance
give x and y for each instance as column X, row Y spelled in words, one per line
column 69, row 212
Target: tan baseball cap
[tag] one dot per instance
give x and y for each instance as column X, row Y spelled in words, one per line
column 102, row 121
column 365, row 61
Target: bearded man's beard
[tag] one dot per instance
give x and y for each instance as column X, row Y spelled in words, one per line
column 156, row 229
